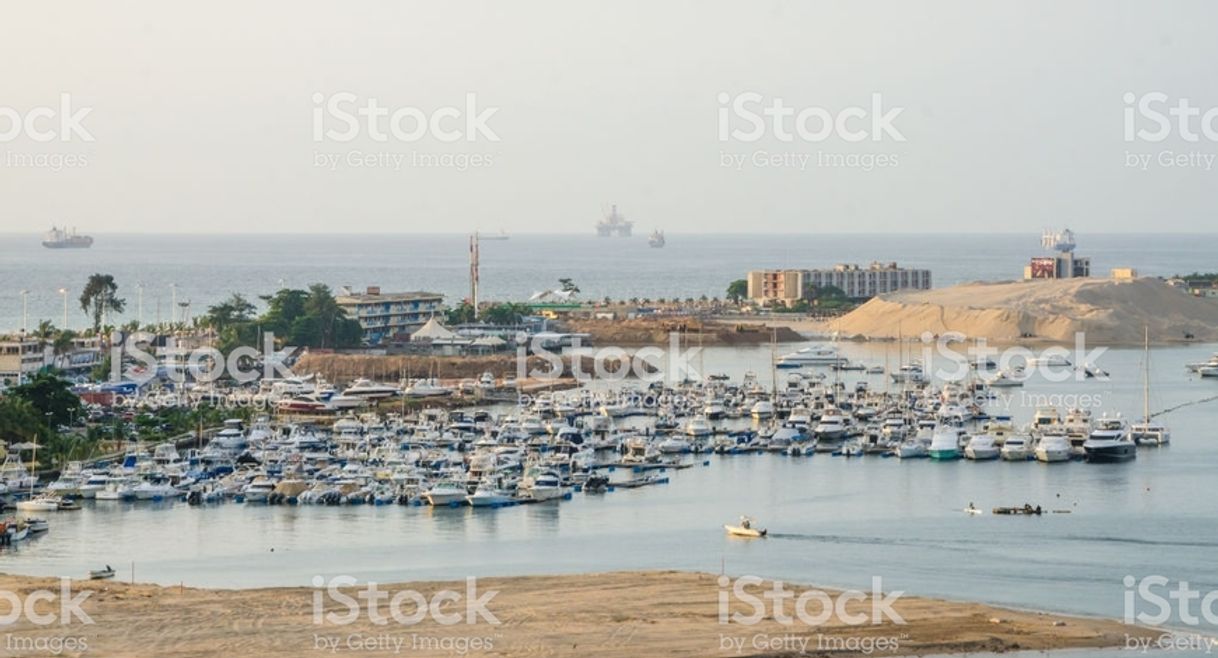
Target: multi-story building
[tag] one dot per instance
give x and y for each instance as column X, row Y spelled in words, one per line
column 790, row 286
column 387, row 315
column 21, row 358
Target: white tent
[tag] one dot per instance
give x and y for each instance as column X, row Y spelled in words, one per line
column 433, row 331
column 493, row 342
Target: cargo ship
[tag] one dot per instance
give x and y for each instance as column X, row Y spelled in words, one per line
column 62, row 238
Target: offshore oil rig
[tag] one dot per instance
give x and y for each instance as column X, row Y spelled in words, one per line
column 614, row 225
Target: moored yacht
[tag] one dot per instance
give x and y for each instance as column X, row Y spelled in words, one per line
column 981, row 447
column 1110, row 442
column 945, row 443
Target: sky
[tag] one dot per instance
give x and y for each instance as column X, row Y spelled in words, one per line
column 537, row 115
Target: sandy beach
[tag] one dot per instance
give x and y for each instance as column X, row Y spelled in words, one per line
column 610, row 615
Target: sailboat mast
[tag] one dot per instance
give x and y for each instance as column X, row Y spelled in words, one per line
column 1146, row 378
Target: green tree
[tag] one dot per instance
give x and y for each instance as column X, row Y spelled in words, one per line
column 506, row 314
column 51, row 398
column 568, row 286
column 234, row 310
column 462, row 314
column 738, row 290
column 99, row 297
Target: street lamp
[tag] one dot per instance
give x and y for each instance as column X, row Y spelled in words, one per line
column 64, row 292
column 173, row 303
column 139, row 313
column 25, row 312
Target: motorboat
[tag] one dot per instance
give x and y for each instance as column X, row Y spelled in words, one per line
column 367, row 388
column 762, row 409
column 831, row 428
column 446, row 492
column 981, row 447
column 910, row 373
column 674, row 444
column 746, row 528
column 945, row 443
column 1015, row 449
column 697, row 426
column 426, row 388
column 154, row 490
column 542, row 484
column 259, row 490
column 487, row 495
column 714, row 410
column 1053, row 448
column 102, row 574
column 1110, row 442
column 911, row 448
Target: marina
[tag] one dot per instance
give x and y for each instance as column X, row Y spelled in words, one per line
column 519, row 473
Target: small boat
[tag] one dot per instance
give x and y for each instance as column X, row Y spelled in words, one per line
column 1026, row 510
column 971, row 509
column 37, row 525
column 745, row 529
column 102, row 574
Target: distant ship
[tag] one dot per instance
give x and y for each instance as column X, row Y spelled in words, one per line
column 656, row 240
column 501, row 235
column 62, row 238
column 614, row 224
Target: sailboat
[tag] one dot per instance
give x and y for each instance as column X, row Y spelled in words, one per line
column 1147, row 433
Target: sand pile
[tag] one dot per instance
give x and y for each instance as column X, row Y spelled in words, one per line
column 1109, row 312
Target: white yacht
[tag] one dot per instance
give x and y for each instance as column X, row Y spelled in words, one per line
column 446, row 492
column 910, row 373
column 488, row 495
column 981, row 447
column 817, row 355
column 697, row 426
column 675, row 444
column 1110, row 442
column 832, row 426
column 762, row 409
column 542, row 484
column 945, row 443
column 367, row 388
column 1053, row 448
column 1015, row 449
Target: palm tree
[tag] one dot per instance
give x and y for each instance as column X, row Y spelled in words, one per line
column 99, row 298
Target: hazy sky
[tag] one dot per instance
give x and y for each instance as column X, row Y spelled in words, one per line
column 202, row 115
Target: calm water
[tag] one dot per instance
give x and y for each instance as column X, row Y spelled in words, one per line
column 834, row 521
column 209, row 268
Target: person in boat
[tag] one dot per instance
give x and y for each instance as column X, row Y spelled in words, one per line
column 1037, row 511
column 972, row 507
column 745, row 522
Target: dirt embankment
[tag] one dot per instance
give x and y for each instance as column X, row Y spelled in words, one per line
column 1106, row 311
column 611, row 615
column 690, row 331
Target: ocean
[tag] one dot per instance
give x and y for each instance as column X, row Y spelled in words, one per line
column 208, row 268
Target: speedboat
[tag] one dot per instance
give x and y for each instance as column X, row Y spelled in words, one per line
column 102, row 574
column 487, row 495
column 1053, row 448
column 714, row 410
column 981, row 447
column 909, row 374
column 1110, row 442
column 154, row 490
column 945, row 443
column 259, row 490
column 1015, row 449
column 745, row 529
column 446, row 492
